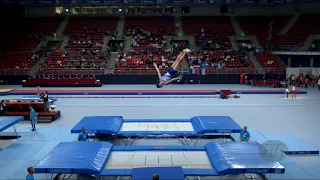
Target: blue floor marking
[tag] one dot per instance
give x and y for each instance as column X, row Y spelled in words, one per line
column 179, row 105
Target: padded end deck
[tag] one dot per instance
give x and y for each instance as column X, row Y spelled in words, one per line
column 215, row 124
column 239, row 158
column 165, row 173
column 75, row 158
column 99, row 124
column 8, row 121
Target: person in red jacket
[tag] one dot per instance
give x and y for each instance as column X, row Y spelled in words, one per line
column 306, row 83
column 313, row 81
column 241, row 79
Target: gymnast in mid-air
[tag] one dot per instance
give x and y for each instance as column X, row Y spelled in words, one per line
column 172, row 71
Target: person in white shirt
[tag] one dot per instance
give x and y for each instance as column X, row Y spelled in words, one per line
column 318, row 83
column 293, row 91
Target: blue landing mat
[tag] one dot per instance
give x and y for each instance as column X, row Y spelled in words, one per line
column 296, row 145
column 8, row 121
column 239, row 158
column 75, row 158
column 165, row 173
column 99, row 124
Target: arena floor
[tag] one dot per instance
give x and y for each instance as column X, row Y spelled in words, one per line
column 270, row 114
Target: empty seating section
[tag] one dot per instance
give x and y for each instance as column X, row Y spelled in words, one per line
column 161, row 25
column 210, row 32
column 15, row 60
column 24, row 39
column 84, row 49
column 300, row 31
column 82, row 25
column 259, row 26
column 268, row 61
column 88, row 33
column 218, row 25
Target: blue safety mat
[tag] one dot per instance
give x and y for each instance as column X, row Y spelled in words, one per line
column 8, row 121
column 240, row 157
column 296, row 146
column 99, row 124
column 75, row 158
column 165, row 173
column 215, row 124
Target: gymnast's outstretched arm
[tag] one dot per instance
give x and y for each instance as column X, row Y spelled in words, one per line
column 157, row 69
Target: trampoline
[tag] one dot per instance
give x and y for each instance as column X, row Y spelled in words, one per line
column 101, row 159
column 133, row 129
column 8, row 121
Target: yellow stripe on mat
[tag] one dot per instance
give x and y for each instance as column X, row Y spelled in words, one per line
column 5, row 90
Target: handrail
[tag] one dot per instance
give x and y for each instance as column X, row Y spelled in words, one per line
column 15, row 71
column 116, row 71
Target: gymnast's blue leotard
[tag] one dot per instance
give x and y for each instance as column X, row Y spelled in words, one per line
column 167, row 76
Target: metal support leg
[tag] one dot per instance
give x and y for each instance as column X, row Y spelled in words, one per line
column 15, row 131
column 133, row 140
column 116, row 138
column 181, row 141
column 198, row 138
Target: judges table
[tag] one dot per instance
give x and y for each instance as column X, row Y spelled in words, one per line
column 66, row 81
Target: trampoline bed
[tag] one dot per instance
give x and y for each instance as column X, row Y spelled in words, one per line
column 102, row 159
column 132, row 129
